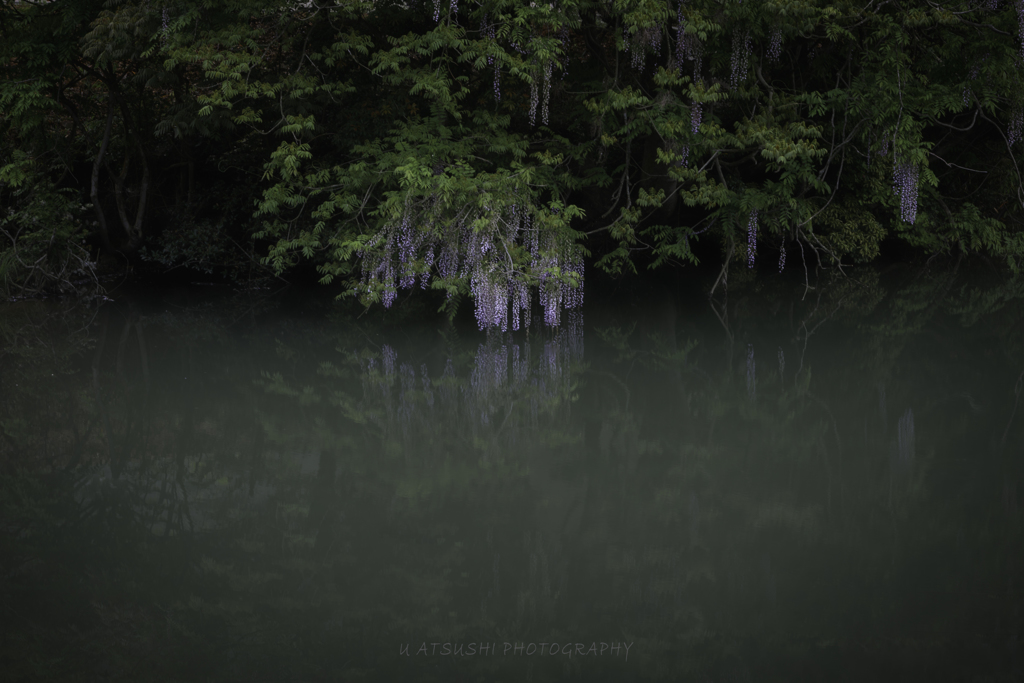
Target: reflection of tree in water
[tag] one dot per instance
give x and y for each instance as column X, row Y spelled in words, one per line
column 905, row 440
column 287, row 500
column 507, row 406
column 512, row 390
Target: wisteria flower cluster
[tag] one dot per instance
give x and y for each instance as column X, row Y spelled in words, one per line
column 775, row 44
column 1020, row 24
column 535, row 96
column 684, row 153
column 782, row 255
column 534, row 101
column 547, row 91
column 400, row 252
column 972, row 76
column 1013, row 133
column 905, row 185
column 487, row 30
column 639, row 40
column 751, row 238
column 688, row 48
column 554, row 295
column 741, row 49
column 905, row 439
column 682, row 39
column 539, row 73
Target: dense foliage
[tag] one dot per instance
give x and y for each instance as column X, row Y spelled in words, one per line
column 487, row 149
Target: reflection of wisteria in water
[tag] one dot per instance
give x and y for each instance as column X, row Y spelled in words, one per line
column 405, row 404
column 1010, row 499
column 573, row 333
column 550, row 362
column 751, row 373
column 448, row 393
column 694, row 525
column 497, row 576
column 905, row 440
column 769, row 579
column 427, row 389
column 377, row 383
column 509, row 390
column 488, row 378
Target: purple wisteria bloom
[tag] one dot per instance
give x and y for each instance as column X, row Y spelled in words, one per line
column 905, row 186
column 751, row 238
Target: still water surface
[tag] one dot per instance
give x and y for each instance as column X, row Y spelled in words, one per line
column 782, row 485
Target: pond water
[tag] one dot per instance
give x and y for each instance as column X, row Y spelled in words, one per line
column 781, row 484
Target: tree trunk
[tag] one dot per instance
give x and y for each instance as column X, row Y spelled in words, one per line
column 94, row 194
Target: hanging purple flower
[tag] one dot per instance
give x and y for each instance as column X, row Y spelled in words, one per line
column 775, row 44
column 972, row 76
column 487, row 29
column 449, row 264
column 681, row 38
column 547, row 92
column 696, row 50
column 751, row 238
column 390, row 357
column 407, row 246
column 905, row 186
column 534, row 100
column 428, row 263
column 638, row 41
column 1020, row 25
column 905, row 441
column 1013, row 133
column 741, row 50
column 684, row 152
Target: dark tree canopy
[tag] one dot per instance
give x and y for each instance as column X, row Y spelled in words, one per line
column 490, row 149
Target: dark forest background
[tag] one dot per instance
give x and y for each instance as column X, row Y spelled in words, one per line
column 496, row 151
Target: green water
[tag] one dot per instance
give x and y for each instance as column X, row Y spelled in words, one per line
column 783, row 484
